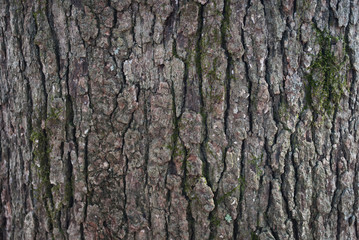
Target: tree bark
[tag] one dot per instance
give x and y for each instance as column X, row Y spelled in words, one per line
column 176, row 119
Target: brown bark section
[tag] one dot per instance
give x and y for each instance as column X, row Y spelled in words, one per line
column 166, row 119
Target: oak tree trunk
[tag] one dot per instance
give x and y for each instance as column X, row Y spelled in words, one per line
column 179, row 119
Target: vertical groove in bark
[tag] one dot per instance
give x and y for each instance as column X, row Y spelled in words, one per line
column 201, row 97
column 294, row 220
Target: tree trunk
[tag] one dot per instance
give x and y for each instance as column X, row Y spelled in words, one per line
column 189, row 119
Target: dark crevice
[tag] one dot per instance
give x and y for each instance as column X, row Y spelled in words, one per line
column 185, row 82
column 314, row 212
column 185, row 77
column 313, row 132
column 69, row 188
column 2, row 214
column 30, row 127
column 153, row 27
column 129, row 123
column 68, row 197
column 353, row 73
column 339, row 229
column 170, row 22
column 70, row 130
column 293, row 142
column 4, row 65
column 125, row 218
column 86, row 164
column 353, row 106
column 201, row 95
column 70, row 136
column 283, row 50
column 272, row 230
column 236, row 223
column 146, row 110
column 44, row 161
column 43, row 110
column 246, row 67
column 285, row 197
column 227, row 88
column 114, row 23
column 236, row 230
column 268, row 72
column 7, row 15
column 27, row 189
column 167, row 218
column 353, row 103
column 112, row 114
column 132, row 7
column 82, row 237
column 229, row 69
column 336, row 201
column 55, row 39
column 189, row 216
column 22, row 188
column 332, row 20
column 171, row 169
column 333, row 161
column 276, row 100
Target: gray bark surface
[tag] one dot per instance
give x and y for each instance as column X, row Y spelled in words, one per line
column 175, row 119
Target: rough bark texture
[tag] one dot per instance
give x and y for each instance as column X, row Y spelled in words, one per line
column 175, row 119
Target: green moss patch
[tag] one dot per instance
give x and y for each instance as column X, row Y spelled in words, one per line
column 327, row 77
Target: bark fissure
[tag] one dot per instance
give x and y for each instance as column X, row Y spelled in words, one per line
column 236, row 230
column 293, row 142
column 201, row 95
column 224, row 29
column 86, row 202
column 54, row 37
column 247, row 76
column 44, row 160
